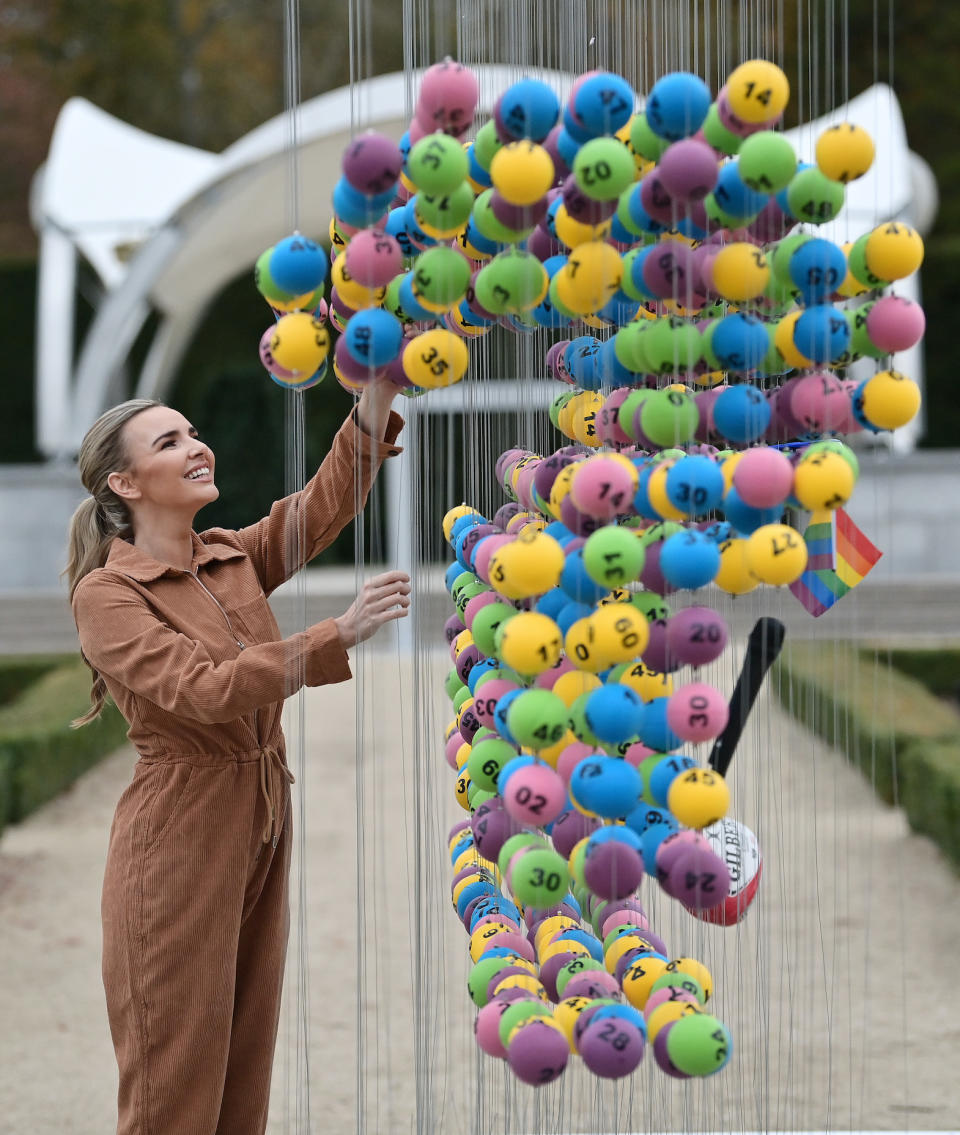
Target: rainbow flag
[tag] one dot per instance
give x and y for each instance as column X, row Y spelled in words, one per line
column 839, row 555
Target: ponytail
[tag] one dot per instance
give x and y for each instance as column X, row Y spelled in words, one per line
column 102, row 516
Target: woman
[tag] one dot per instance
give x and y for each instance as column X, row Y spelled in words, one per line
column 177, row 628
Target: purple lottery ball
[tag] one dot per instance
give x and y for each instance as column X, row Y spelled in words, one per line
column 452, row 627
column 660, row 206
column 507, row 971
column 664, row 1063
column 696, row 635
column 538, row 1053
column 581, row 523
column 550, row 971
column 594, row 983
column 460, row 826
column 542, row 245
column 688, row 170
column 505, row 513
column 492, row 826
column 669, row 270
column 699, row 878
column 586, row 210
column 550, row 145
column 372, row 163
column 466, row 660
column 656, row 654
column 569, row 828
column 517, row 216
column 612, row 1047
column 670, row 850
column 613, row 870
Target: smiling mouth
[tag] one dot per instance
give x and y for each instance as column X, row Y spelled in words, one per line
column 197, row 474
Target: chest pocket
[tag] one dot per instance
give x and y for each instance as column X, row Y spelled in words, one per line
column 254, row 620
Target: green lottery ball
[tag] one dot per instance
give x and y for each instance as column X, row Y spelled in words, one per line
column 857, row 263
column 646, row 143
column 440, row 277
column 577, row 859
column 486, row 144
column 554, row 412
column 717, row 135
column 835, row 445
column 579, row 965
column 519, row 1011
column 480, row 977
column 490, row 226
column 699, row 1044
column 460, row 698
column 628, row 409
column 577, row 720
column 487, row 758
column 514, row 844
column 453, row 685
column 860, row 342
column 446, row 211
column 603, row 167
column 766, row 162
column 487, row 622
column 540, row 878
column 814, row 198
column 613, row 556
column 680, row 981
column 538, row 719
column 513, row 281
column 671, row 346
column 438, row 164
column 654, row 606
column 669, row 417
column 780, row 260
column 470, row 591
column 627, row 345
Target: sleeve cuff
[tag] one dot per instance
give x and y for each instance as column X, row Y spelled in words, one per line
column 326, row 660
column 364, row 444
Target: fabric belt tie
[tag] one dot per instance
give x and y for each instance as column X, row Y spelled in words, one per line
column 269, row 761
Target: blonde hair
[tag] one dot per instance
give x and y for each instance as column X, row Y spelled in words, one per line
column 102, row 516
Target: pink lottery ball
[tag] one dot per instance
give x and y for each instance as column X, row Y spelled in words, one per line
column 487, row 696
column 455, row 740
column 611, row 1047
column 736, row 125
column 593, row 983
column 266, row 357
column 448, row 97
column 624, row 918
column 699, row 878
column 486, row 1028
column 525, row 480
column 763, row 477
column 697, row 712
column 416, row 130
column 688, row 170
column 538, row 1053
column 508, row 457
column 705, row 400
column 662, row 1057
column 703, row 258
column 818, row 403
column 602, row 487
column 516, row 942
column 571, row 756
column 476, row 604
column 372, row 163
column 373, row 258
column 637, row 753
column 660, row 206
column 554, row 362
column 485, row 551
column 696, row 635
column 663, row 995
column 895, row 323
column 535, row 795
column 548, row 679
column 608, row 423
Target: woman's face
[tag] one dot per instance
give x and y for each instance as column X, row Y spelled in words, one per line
column 169, row 466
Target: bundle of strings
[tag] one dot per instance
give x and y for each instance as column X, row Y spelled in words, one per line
column 794, row 980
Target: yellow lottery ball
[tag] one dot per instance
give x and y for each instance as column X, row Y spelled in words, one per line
column 562, row 482
column 639, row 978
column 776, row 554
column 823, row 480
column 522, row 172
column 568, row 687
column 530, row 642
column 622, row 632
column 463, row 787
column 657, row 493
column 783, row 341
column 521, row 981
column 470, row 857
column 711, row 378
column 461, row 642
column 300, row 343
column 353, row 294
column 620, row 946
column 740, row 272
column 728, row 467
column 701, row 797
column 480, row 938
column 894, row 251
column 552, row 753
column 758, row 91
column 697, row 970
column 647, row 683
column 734, row 575
column 889, row 400
column 844, row 152
column 585, row 408
column 550, row 926
column 573, row 233
column 567, row 1013
column 463, row 754
column 551, row 949
column 580, row 644
column 851, row 286
column 435, row 358
column 666, row 1014
column 591, row 275
column 451, row 516
column 530, row 565
column 338, row 240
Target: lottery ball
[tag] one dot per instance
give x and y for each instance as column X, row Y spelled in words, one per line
column 894, row 251
column 537, row 719
column 740, row 272
column 663, row 1060
column 823, row 481
column 435, row 358
column 373, row 337
column 844, row 152
column 734, row 576
column 621, row 632
column 538, row 1052
column 300, row 343
column 677, row 105
column 530, row 643
column 817, row 268
column 493, row 825
column 297, row 265
column 437, row 164
column 689, row 559
column 699, row 1044
column 697, row 712
column 698, row 798
column 590, row 277
column 895, row 323
column 372, row 163
column 614, row 713
column 604, row 486
column 821, row 333
column 486, row 1028
column 613, row 870
column 668, row 417
column 757, row 91
column 739, row 342
column 766, row 162
column 737, row 846
column 776, row 554
column 603, row 168
column 606, row 786
column 487, row 622
column 694, row 485
column 688, row 170
column 373, row 258
column 440, row 278
column 613, row 556
column 513, row 281
column 698, row 878
column 527, row 109
column 540, row 877
column 612, row 1048
column 812, row 197
column 522, row 172
column 535, row 794
column 602, row 103
column 888, row 400
column 639, row 978
column 763, row 477
column 520, row 1012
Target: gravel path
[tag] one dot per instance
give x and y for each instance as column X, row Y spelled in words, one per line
column 838, row 989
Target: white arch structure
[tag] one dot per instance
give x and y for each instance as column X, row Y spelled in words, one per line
column 166, row 226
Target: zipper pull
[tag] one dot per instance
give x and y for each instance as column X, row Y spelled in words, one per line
column 241, row 645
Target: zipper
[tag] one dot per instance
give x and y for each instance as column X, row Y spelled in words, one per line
column 223, row 611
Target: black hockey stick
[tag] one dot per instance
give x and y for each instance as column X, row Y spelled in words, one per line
column 763, row 646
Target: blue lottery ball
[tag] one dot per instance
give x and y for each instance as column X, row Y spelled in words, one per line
column 298, row 265
column 484, row 666
column 719, row 532
column 655, row 733
column 695, row 485
column 689, row 559
column 576, row 582
column 567, row 147
column 581, row 357
column 607, row 786
column 619, row 833
column 621, row 1013
column 475, row 170
column 522, row 761
column 664, row 775
column 636, row 271
column 500, row 724
column 744, row 517
column 574, row 934
column 856, row 408
column 641, row 498
column 493, row 906
column 405, row 146
column 560, row 532
column 614, row 713
column 552, row 602
column 740, row 342
column 677, row 105
column 354, row 208
column 414, row 230
column 822, row 333
column 546, row 315
column 603, row 103
column 650, row 842
column 646, row 816
column 473, row 891
column 642, row 219
column 619, row 231
column 734, row 196
column 620, row 309
column 470, row 317
column 463, row 524
column 689, row 227
column 374, row 337
column 480, row 242
column 818, row 268
column 553, row 264
column 570, row 613
column 450, row 575
column 461, row 845
column 529, row 109
column 612, row 372
column 396, row 226
column 781, row 196
column 408, row 301
column 577, row 131
column 741, row 413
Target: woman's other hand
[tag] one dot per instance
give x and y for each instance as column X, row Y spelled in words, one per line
column 381, row 599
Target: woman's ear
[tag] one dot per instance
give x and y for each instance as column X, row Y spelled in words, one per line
column 123, row 486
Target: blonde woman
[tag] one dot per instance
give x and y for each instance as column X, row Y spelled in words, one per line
column 176, row 627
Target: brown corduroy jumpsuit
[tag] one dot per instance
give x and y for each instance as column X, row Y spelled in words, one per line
column 195, row 895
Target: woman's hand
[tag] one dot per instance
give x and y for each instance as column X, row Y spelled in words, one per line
column 381, row 599
column 373, row 408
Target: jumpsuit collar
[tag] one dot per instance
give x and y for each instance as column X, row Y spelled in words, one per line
column 134, row 562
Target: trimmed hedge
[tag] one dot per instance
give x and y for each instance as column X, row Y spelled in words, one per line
column 938, row 670
column 902, row 738
column 40, row 755
column 18, row 671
